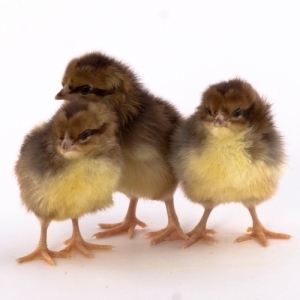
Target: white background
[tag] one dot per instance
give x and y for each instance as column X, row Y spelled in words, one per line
column 177, row 48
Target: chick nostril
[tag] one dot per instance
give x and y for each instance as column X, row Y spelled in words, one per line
column 66, row 144
column 218, row 121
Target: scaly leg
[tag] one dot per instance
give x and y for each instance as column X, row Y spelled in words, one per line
column 173, row 230
column 200, row 231
column 78, row 244
column 259, row 232
column 128, row 224
column 42, row 252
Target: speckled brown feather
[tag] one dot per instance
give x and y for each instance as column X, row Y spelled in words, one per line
column 146, row 126
column 68, row 167
column 39, row 157
column 144, row 119
column 229, row 150
column 266, row 142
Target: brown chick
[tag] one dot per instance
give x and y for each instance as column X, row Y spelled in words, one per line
column 229, row 151
column 68, row 167
column 146, row 124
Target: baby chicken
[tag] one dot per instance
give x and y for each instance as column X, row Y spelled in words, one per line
column 68, row 167
column 146, row 124
column 229, row 151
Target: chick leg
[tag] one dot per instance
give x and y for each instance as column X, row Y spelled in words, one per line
column 173, row 230
column 259, row 232
column 78, row 244
column 129, row 223
column 42, row 251
column 200, row 231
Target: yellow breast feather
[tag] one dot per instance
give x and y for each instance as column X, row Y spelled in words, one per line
column 84, row 186
column 224, row 172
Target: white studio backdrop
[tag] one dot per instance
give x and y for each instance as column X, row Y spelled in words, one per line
column 177, row 48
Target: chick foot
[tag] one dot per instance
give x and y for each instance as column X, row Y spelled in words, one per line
column 77, row 244
column 128, row 224
column 259, row 232
column 42, row 252
column 173, row 230
column 200, row 232
column 262, row 235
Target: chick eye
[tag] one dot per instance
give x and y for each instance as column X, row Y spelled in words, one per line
column 85, row 135
column 85, row 89
column 208, row 111
column 237, row 113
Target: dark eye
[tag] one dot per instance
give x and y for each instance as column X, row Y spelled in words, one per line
column 208, row 111
column 237, row 113
column 85, row 89
column 85, row 135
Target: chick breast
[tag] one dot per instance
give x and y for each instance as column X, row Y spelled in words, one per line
column 81, row 187
column 223, row 171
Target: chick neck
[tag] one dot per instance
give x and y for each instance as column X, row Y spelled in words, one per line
column 128, row 107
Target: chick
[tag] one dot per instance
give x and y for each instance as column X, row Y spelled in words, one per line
column 68, row 167
column 146, row 124
column 229, row 151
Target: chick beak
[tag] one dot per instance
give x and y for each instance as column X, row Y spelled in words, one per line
column 67, row 144
column 63, row 94
column 219, row 121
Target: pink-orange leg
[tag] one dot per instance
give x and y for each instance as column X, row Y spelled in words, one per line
column 173, row 230
column 77, row 244
column 42, row 252
column 128, row 224
column 259, row 232
column 200, row 232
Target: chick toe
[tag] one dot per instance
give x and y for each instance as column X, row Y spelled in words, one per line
column 197, row 235
column 259, row 232
column 77, row 244
column 173, row 230
column 129, row 223
column 83, row 247
column 262, row 234
column 42, row 253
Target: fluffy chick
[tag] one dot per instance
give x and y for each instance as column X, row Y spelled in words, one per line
column 68, row 167
column 229, row 151
column 146, row 126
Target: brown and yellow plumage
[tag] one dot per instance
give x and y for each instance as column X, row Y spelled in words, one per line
column 229, row 151
column 146, row 126
column 68, row 167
